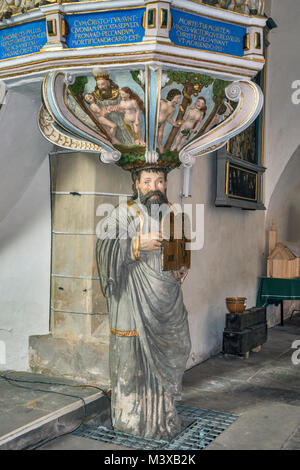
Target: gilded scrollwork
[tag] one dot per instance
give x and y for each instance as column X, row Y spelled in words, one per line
column 54, row 135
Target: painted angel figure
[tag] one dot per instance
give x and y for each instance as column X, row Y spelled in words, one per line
column 191, row 123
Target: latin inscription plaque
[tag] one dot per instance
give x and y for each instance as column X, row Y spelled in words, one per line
column 22, row 39
column 197, row 32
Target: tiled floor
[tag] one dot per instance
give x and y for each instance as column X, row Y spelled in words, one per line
column 263, row 390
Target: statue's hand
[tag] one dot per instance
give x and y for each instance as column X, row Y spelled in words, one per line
column 181, row 273
column 150, row 241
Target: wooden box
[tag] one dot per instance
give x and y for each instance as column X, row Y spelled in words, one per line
column 250, row 317
column 245, row 331
column 241, row 342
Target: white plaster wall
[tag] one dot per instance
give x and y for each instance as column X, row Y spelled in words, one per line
column 282, row 136
column 229, row 264
column 25, row 228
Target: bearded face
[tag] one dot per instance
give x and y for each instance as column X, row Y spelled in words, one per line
column 152, row 188
column 153, row 197
column 105, row 88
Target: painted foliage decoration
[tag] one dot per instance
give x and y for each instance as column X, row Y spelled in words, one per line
column 191, row 104
column 113, row 104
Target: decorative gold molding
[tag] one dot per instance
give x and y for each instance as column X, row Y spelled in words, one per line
column 107, row 63
column 137, row 53
column 136, row 246
column 213, row 52
column 153, row 25
column 148, row 106
column 52, row 134
column 157, row 107
column 132, row 204
column 94, row 64
column 226, row 177
column 257, row 40
column 64, row 27
column 32, row 20
column 137, row 7
column 54, row 27
column 263, row 117
column 144, row 20
column 161, row 18
column 247, row 42
column 124, row 333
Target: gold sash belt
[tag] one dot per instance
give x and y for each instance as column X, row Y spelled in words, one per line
column 124, row 332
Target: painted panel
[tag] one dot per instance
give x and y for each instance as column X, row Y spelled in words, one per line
column 191, row 105
column 113, row 104
column 241, row 183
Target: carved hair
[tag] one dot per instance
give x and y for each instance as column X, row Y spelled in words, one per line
column 172, row 93
column 204, row 108
column 136, row 176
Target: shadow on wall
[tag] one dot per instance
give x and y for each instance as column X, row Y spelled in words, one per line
column 23, row 149
column 284, row 207
column 293, row 222
column 32, row 206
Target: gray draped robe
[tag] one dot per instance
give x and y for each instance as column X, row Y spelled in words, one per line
column 146, row 368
